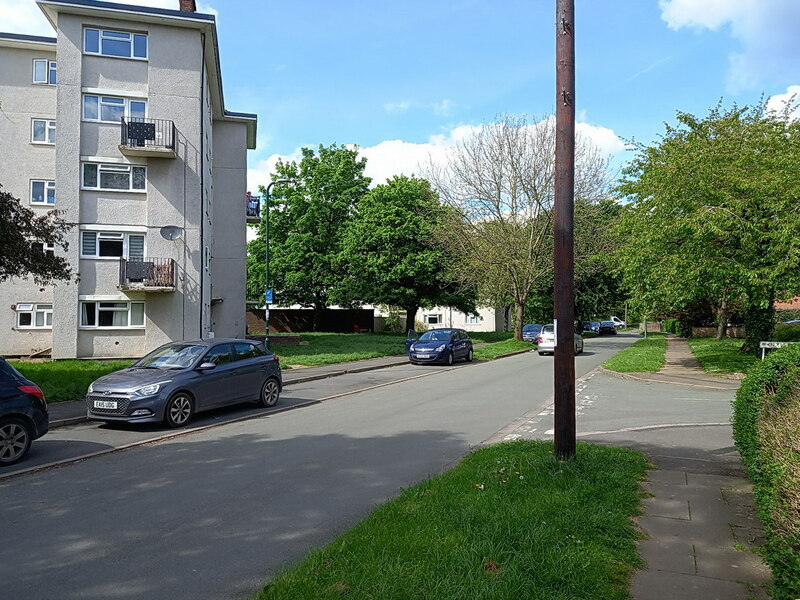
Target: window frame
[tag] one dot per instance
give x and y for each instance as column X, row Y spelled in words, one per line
column 49, row 126
column 97, row 310
column 47, row 187
column 50, row 72
column 471, row 319
column 112, row 168
column 33, row 309
column 111, row 236
column 439, row 319
column 132, row 35
column 126, row 107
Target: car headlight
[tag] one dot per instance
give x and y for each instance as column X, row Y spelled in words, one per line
column 91, row 388
column 440, row 348
column 151, row 389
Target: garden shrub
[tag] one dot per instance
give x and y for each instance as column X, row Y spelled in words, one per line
column 766, row 429
column 671, row 326
column 786, row 333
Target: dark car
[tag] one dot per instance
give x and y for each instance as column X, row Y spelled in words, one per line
column 608, row 327
column 179, row 379
column 439, row 345
column 531, row 332
column 23, row 414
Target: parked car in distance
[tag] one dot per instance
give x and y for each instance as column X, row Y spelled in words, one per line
column 591, row 326
column 607, row 327
column 546, row 342
column 619, row 323
column 439, row 345
column 23, row 414
column 179, row 379
column 531, row 332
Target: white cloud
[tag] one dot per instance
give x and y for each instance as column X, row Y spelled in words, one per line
column 443, row 108
column 765, row 28
column 23, row 16
column 398, row 157
column 393, row 107
column 778, row 102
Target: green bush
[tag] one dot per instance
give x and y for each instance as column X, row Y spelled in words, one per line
column 786, row 333
column 766, row 428
column 671, row 326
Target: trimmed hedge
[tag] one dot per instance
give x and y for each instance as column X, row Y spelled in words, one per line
column 766, row 429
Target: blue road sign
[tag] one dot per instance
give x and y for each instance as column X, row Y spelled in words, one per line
column 268, row 296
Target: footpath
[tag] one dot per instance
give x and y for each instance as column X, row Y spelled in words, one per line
column 700, row 524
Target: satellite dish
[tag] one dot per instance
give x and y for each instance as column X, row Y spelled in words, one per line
column 171, row 232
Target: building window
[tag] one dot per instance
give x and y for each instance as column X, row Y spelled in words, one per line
column 115, row 43
column 43, row 131
column 34, row 316
column 112, row 314
column 43, row 192
column 113, row 177
column 110, row 109
column 432, row 319
column 112, row 244
column 44, row 71
column 43, row 248
column 473, row 320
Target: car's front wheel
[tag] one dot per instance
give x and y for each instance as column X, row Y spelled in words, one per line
column 179, row 410
column 15, row 440
column 270, row 392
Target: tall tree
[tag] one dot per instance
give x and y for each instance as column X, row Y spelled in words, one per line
column 500, row 184
column 306, row 224
column 713, row 215
column 392, row 254
column 21, row 229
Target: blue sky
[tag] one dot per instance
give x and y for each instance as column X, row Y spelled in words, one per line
column 404, row 80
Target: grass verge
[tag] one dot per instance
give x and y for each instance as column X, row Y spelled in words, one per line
column 644, row 356
column 329, row 348
column 505, row 347
column 508, row 522
column 721, row 357
column 63, row 380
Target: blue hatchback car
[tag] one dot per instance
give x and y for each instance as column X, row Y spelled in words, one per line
column 439, row 346
column 531, row 332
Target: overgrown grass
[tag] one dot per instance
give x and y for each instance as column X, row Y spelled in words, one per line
column 509, row 522
column 644, row 356
column 490, row 337
column 721, row 357
column 505, row 347
column 63, row 380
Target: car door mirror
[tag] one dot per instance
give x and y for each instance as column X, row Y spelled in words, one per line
column 412, row 335
column 206, row 366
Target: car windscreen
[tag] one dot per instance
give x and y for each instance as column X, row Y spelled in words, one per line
column 436, row 335
column 607, row 324
column 173, row 356
column 531, row 328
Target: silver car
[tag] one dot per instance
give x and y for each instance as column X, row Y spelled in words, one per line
column 177, row 380
column 546, row 342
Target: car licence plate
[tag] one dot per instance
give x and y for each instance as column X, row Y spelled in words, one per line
column 104, row 404
column 423, row 355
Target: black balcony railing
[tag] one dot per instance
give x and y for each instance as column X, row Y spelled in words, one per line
column 144, row 273
column 253, row 207
column 154, row 134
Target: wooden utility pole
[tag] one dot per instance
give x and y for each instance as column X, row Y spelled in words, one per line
column 563, row 253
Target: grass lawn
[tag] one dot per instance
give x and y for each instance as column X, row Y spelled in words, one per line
column 644, row 356
column 721, row 357
column 62, row 380
column 509, row 522
column 505, row 347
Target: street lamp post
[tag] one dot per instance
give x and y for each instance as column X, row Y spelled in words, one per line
column 266, row 258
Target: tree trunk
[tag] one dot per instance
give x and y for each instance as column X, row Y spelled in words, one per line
column 318, row 310
column 519, row 316
column 722, row 320
column 411, row 315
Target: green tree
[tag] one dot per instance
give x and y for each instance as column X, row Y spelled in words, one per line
column 307, row 219
column 21, row 227
column 391, row 253
column 713, row 215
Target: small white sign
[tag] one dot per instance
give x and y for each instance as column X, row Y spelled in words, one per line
column 774, row 344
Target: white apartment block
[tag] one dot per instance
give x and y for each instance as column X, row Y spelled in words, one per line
column 119, row 123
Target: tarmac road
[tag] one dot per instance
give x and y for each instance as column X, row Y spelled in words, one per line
column 215, row 512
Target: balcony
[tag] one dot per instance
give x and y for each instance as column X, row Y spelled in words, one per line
column 147, row 274
column 253, row 208
column 152, row 138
